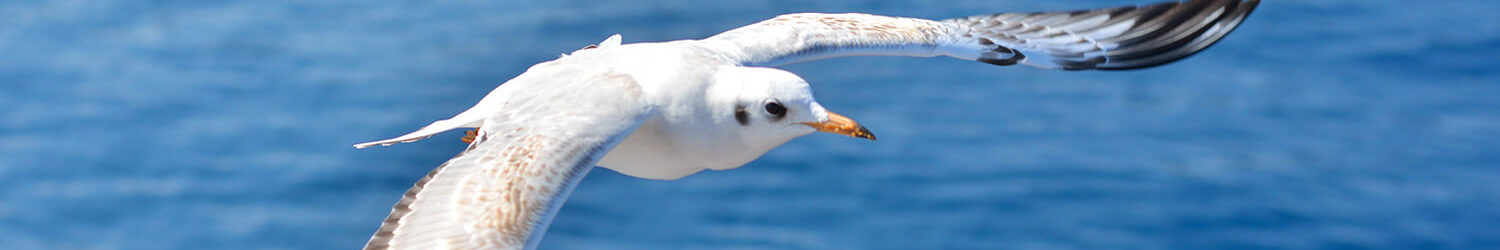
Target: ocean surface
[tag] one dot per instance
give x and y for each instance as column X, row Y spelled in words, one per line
column 1319, row 124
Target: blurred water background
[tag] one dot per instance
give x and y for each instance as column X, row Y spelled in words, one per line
column 1319, row 124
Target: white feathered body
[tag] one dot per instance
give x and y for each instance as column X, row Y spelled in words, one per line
column 676, row 142
column 677, row 79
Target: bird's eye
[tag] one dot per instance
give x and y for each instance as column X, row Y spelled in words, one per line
column 775, row 109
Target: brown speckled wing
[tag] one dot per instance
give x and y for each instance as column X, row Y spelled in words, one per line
column 502, row 191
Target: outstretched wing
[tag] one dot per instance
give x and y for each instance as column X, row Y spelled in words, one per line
column 503, row 190
column 1105, row 39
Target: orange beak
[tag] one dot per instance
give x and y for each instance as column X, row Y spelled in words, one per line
column 839, row 124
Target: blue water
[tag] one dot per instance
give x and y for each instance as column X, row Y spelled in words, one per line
column 1327, row 124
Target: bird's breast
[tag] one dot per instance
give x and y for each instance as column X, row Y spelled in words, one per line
column 658, row 151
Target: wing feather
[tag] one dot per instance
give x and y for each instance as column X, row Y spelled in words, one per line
column 503, row 190
column 1118, row 38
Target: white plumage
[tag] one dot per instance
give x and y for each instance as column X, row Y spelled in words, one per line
column 670, row 109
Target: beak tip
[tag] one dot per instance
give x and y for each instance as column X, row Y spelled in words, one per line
column 865, row 133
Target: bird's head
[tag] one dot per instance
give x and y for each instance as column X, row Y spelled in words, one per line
column 743, row 113
column 771, row 106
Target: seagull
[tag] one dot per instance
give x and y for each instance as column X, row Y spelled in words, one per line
column 665, row 110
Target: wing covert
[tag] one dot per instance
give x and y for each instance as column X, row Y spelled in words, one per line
column 503, row 190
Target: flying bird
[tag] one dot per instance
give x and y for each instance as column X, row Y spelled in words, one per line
column 664, row 110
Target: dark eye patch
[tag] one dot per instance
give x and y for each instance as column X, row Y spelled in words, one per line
column 740, row 115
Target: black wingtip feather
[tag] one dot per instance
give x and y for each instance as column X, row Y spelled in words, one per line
column 1167, row 47
column 1158, row 34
